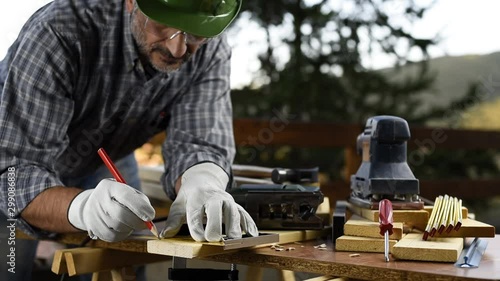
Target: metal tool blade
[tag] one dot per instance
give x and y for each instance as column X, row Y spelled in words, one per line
column 471, row 256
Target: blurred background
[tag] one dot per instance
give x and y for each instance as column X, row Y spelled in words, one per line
column 433, row 63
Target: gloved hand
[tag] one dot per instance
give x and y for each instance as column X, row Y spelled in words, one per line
column 111, row 211
column 203, row 193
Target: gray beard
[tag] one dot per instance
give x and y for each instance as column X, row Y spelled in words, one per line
column 139, row 35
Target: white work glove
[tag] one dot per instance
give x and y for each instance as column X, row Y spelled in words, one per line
column 111, row 211
column 203, row 193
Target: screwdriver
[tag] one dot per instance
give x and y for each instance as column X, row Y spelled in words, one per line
column 385, row 220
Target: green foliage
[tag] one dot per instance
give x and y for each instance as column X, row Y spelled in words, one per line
column 325, row 78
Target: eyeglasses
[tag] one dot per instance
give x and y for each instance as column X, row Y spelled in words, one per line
column 164, row 32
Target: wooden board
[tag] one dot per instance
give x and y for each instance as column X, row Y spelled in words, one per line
column 78, row 261
column 470, row 228
column 412, row 247
column 365, row 266
column 414, row 218
column 186, row 247
column 362, row 244
column 366, row 228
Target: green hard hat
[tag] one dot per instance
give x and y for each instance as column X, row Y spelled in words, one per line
column 205, row 18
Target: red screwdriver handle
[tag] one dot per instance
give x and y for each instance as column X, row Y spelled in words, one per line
column 385, row 216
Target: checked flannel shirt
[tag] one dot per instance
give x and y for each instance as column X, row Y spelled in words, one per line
column 72, row 82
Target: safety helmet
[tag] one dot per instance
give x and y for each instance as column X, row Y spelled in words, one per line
column 205, row 18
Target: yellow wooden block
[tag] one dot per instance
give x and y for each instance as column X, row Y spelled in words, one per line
column 413, row 218
column 470, row 228
column 365, row 228
column 412, row 247
column 362, row 244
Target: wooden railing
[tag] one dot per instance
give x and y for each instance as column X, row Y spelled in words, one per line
column 276, row 132
column 329, row 135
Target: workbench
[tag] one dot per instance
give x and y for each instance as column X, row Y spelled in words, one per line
column 306, row 258
column 366, row 266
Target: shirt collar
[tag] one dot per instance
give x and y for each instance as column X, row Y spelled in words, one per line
column 130, row 52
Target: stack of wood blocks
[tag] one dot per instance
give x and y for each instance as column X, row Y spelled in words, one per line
column 362, row 234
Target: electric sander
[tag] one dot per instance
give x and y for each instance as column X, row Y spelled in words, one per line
column 384, row 172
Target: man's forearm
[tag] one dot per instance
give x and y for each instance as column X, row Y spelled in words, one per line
column 48, row 211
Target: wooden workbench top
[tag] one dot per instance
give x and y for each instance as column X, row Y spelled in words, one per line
column 368, row 266
column 306, row 258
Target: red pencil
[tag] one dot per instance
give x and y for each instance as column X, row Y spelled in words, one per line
column 118, row 177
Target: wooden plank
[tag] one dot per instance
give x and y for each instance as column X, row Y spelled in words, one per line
column 327, row 278
column 287, row 275
column 414, row 218
column 470, row 228
column 365, row 228
column 254, row 273
column 290, row 236
column 59, row 263
column 362, row 244
column 329, row 134
column 412, row 247
column 251, row 132
column 102, row 276
column 89, row 260
column 366, row 266
column 186, row 247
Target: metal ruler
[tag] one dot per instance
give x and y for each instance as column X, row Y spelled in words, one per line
column 471, row 256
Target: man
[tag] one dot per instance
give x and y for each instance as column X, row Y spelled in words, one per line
column 85, row 74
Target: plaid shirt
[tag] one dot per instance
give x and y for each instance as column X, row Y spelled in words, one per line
column 72, row 82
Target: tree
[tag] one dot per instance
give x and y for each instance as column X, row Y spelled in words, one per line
column 325, row 79
column 317, row 71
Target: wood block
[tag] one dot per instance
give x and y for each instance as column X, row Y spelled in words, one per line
column 470, row 228
column 324, row 212
column 59, row 263
column 414, row 218
column 362, row 244
column 365, row 228
column 412, row 247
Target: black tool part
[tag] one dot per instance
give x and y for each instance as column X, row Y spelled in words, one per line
column 339, row 219
column 384, row 172
column 295, row 176
column 275, row 206
column 201, row 274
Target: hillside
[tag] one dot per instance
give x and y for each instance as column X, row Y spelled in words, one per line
column 455, row 74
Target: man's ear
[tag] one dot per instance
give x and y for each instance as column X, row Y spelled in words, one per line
column 129, row 4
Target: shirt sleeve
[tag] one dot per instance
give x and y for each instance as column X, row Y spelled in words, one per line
column 201, row 125
column 35, row 111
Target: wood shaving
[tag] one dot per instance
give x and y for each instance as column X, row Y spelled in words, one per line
column 322, row 246
column 277, row 247
column 354, row 255
column 290, row 249
column 324, row 249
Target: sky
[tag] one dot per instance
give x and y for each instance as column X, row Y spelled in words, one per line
column 465, row 26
